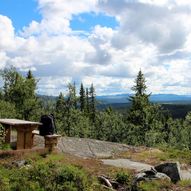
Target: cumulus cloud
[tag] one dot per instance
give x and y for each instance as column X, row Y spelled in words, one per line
column 147, row 23
column 152, row 35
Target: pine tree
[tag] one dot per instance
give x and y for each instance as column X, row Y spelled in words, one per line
column 140, row 100
column 75, row 97
column 82, row 98
column 140, row 87
column 71, row 97
column 92, row 103
column 29, row 75
column 60, row 103
column 87, row 101
column 143, row 115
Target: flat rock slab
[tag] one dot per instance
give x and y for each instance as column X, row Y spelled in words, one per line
column 90, row 148
column 126, row 163
column 83, row 147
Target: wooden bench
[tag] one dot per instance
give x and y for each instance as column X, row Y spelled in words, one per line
column 51, row 141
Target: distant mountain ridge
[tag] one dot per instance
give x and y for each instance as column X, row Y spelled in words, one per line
column 124, row 98
column 161, row 98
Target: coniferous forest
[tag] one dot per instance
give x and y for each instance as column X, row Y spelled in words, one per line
column 145, row 123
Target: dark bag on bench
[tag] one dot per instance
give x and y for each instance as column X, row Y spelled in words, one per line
column 48, row 125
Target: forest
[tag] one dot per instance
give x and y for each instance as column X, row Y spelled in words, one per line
column 76, row 114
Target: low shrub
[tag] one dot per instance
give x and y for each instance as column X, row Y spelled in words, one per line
column 44, row 177
column 122, row 178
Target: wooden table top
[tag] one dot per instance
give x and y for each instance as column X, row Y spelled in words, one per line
column 18, row 122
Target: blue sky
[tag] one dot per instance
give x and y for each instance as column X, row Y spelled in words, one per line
column 21, row 12
column 86, row 21
column 101, row 41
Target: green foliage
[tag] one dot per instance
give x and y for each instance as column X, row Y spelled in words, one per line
column 20, row 92
column 144, row 124
column 155, row 185
column 187, row 130
column 92, row 104
column 122, row 178
column 140, row 87
column 73, row 123
column 7, row 109
column 87, row 102
column 82, row 98
column 2, row 136
column 43, row 176
column 109, row 126
column 144, row 118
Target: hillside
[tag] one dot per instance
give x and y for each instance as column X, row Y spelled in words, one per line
column 90, row 159
column 176, row 105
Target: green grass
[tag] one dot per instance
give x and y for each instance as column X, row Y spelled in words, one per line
column 155, row 156
column 66, row 172
column 156, row 185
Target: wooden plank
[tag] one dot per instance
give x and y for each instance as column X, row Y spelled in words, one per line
column 18, row 122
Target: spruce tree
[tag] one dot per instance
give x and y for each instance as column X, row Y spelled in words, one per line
column 140, row 87
column 87, row 101
column 29, row 75
column 71, row 97
column 60, row 103
column 75, row 97
column 92, row 103
column 82, row 98
column 143, row 115
column 140, row 100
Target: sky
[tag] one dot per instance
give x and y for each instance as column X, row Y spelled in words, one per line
column 104, row 42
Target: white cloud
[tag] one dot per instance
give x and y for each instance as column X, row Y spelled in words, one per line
column 152, row 35
column 6, row 33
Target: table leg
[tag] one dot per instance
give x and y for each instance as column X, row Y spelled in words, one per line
column 7, row 134
column 28, row 140
column 20, row 139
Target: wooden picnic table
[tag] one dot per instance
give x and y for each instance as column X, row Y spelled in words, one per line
column 24, row 131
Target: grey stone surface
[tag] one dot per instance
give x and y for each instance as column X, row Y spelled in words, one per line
column 126, row 163
column 19, row 163
column 143, row 176
column 89, row 148
column 83, row 147
column 186, row 174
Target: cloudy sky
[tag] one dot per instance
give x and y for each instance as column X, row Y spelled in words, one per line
column 101, row 41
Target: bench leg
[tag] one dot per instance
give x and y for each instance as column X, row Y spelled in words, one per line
column 51, row 143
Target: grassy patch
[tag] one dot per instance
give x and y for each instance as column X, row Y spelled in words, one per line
column 155, row 185
column 155, row 156
column 67, row 172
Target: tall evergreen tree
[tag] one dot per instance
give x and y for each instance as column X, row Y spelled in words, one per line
column 140, row 87
column 71, row 97
column 87, row 101
column 139, row 101
column 82, row 98
column 92, row 103
column 29, row 75
column 60, row 103
column 143, row 115
column 75, row 97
